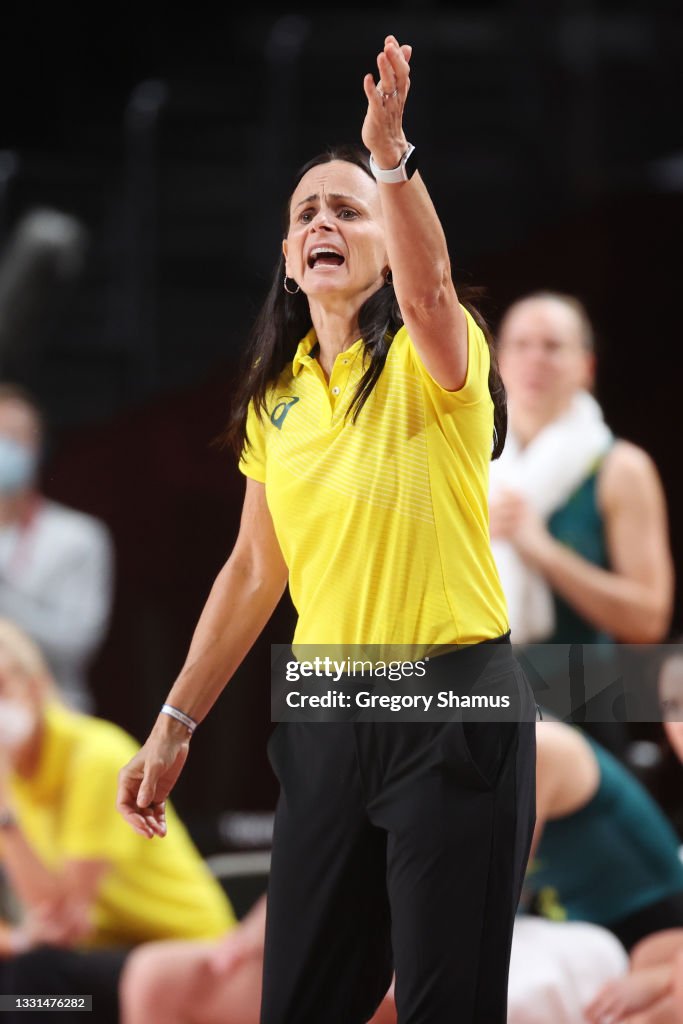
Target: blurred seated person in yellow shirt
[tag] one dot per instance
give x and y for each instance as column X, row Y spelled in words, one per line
column 82, row 879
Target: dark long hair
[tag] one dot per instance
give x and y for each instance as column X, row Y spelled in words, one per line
column 284, row 319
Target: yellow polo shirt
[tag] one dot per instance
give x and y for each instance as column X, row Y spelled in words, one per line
column 154, row 888
column 382, row 523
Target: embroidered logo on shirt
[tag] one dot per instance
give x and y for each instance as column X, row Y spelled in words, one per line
column 277, row 416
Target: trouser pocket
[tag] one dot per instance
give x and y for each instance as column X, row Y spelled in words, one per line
column 476, row 751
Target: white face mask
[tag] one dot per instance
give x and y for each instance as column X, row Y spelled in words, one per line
column 17, row 466
column 16, row 723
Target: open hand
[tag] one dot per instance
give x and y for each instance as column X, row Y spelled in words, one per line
column 383, row 126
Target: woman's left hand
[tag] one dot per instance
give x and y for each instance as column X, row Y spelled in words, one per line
column 383, row 126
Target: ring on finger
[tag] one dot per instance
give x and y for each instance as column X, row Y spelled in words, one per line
column 387, row 95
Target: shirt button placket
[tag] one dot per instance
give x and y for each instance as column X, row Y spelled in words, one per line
column 338, row 378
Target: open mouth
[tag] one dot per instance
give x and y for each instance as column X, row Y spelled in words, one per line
column 322, row 256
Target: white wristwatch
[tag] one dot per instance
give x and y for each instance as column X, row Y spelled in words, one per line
column 404, row 172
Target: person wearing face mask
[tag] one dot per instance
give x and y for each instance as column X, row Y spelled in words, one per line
column 88, row 888
column 578, row 517
column 368, row 414
column 56, row 564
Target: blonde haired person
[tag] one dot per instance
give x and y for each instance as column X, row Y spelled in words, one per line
column 584, row 510
column 578, row 516
column 82, row 879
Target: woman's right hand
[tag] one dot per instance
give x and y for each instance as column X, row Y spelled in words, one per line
column 146, row 781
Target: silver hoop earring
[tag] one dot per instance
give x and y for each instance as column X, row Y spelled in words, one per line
column 289, row 290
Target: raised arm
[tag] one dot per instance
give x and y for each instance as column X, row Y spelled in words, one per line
column 416, row 245
column 241, row 601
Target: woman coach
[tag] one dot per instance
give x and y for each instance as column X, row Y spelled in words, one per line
column 366, row 422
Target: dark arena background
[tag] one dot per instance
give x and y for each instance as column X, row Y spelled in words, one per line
column 550, row 139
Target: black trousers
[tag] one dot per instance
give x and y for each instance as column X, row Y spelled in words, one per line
column 396, row 847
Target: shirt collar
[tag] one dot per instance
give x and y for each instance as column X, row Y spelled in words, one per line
column 307, row 344
column 303, row 351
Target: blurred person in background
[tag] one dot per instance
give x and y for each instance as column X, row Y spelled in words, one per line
column 197, row 983
column 604, row 853
column 652, row 991
column 56, row 564
column 556, row 967
column 84, row 881
column 578, row 518
column 205, row 983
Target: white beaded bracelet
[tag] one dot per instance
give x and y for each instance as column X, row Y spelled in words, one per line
column 180, row 716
